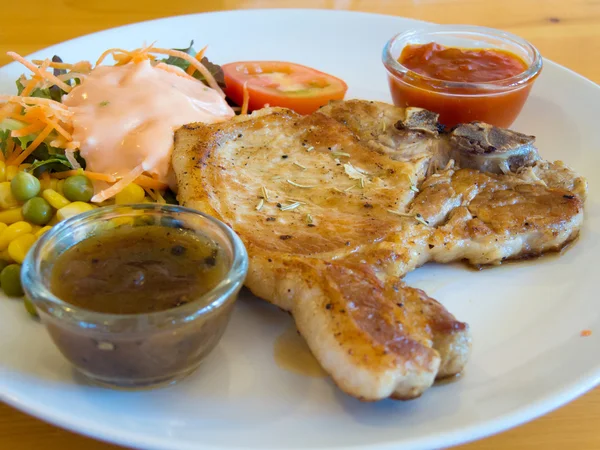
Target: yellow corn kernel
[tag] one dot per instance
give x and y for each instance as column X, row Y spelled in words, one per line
column 56, row 200
column 2, row 171
column 59, row 187
column 11, row 171
column 18, row 247
column 7, row 199
column 4, row 256
column 54, row 220
column 54, row 183
column 109, row 202
column 41, row 231
column 12, row 232
column 45, row 181
column 3, row 227
column 132, row 193
column 72, row 209
column 9, row 216
column 35, row 228
column 119, row 221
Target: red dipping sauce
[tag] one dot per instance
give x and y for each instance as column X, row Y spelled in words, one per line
column 461, row 84
column 457, row 64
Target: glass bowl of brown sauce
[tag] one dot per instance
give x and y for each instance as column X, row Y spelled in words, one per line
column 136, row 296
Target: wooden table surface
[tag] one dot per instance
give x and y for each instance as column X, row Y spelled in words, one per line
column 566, row 31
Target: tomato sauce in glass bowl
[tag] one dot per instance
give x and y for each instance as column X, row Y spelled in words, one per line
column 463, row 73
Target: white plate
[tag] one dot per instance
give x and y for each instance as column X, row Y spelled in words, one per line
column 528, row 356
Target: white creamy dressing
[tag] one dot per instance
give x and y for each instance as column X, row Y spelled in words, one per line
column 125, row 116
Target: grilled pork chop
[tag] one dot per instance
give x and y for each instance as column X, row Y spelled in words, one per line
column 332, row 222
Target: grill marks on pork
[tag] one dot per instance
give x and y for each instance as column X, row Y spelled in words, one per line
column 335, row 259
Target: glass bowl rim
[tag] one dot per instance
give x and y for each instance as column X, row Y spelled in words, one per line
column 65, row 312
column 397, row 70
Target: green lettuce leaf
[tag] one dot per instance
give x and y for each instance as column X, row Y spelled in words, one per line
column 180, row 62
column 215, row 70
column 58, row 163
column 53, row 92
column 6, row 126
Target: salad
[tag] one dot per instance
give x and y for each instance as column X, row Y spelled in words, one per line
column 47, row 171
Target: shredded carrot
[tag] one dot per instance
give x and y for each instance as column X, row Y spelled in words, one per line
column 191, row 69
column 70, row 154
column 19, row 117
column 141, row 54
column 32, row 101
column 59, row 129
column 39, row 72
column 113, row 52
column 200, row 67
column 30, row 86
column 174, row 70
column 91, row 175
column 119, row 185
column 121, row 60
column 54, row 65
column 71, row 76
column 150, row 193
column 35, row 114
column 586, row 333
column 148, row 182
column 33, row 145
column 27, row 130
column 246, row 99
column 59, row 142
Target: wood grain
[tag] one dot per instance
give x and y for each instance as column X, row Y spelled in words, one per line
column 566, row 31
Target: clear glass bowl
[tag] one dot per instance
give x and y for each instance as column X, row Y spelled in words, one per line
column 496, row 102
column 133, row 351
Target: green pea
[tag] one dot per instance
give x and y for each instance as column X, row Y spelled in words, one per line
column 25, row 186
column 3, row 264
column 37, row 211
column 29, row 306
column 10, row 280
column 78, row 188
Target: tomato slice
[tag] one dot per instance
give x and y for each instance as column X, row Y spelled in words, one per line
column 284, row 84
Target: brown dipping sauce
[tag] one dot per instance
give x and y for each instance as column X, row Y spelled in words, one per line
column 137, row 270
column 133, row 271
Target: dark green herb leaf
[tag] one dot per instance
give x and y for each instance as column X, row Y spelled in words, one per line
column 53, row 93
column 215, row 70
column 50, row 159
column 55, row 164
column 170, row 197
column 179, row 62
column 4, row 137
